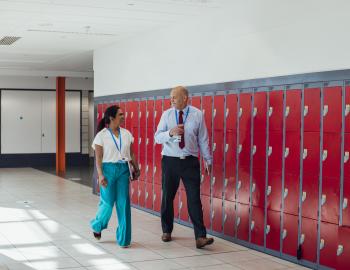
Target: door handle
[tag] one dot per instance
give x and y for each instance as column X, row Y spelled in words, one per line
column 286, row 152
column 325, row 110
column 347, row 109
column 287, row 111
column 227, row 112
column 306, row 110
column 255, row 111
column 269, row 151
column 267, row 230
column 304, row 153
column 270, row 111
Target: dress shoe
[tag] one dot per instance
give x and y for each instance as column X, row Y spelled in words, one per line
column 166, row 237
column 97, row 235
column 203, row 241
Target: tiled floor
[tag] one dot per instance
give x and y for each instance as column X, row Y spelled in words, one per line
column 44, row 225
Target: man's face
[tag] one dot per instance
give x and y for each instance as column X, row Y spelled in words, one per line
column 178, row 99
column 119, row 118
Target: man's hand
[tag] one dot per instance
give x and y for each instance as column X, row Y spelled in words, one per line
column 178, row 130
column 208, row 168
column 102, row 180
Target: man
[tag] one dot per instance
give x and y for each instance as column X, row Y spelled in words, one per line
column 182, row 130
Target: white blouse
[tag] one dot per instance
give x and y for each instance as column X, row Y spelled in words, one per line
column 110, row 151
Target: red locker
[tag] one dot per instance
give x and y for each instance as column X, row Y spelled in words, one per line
column 142, row 113
column 157, row 169
column 242, row 221
column 328, row 245
column 257, row 226
column 312, row 109
column 206, row 210
column 157, row 197
column 208, row 114
column 275, row 151
column 229, row 218
column 149, row 155
column 347, row 155
column 142, row 193
column 166, row 104
column 293, row 110
column 243, row 185
column 245, row 111
column 122, row 107
column 290, row 235
column 343, row 249
column 259, row 150
column 245, row 118
column 310, row 196
column 274, row 191
column 231, row 112
column 183, row 206
column 196, row 102
column 275, row 111
column 347, row 109
column 216, row 215
column 205, row 181
column 230, row 165
column 99, row 112
column 177, row 205
column 308, row 239
column 332, row 109
column 134, row 191
column 272, row 230
column 292, row 154
column 311, row 153
column 260, row 111
column 331, row 155
column 258, row 188
column 142, row 153
column 346, row 202
column 244, row 148
column 127, row 113
column 291, row 193
column 330, row 200
column 149, row 196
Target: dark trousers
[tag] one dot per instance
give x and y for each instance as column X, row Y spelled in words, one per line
column 189, row 171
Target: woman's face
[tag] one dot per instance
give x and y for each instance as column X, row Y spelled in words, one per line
column 118, row 120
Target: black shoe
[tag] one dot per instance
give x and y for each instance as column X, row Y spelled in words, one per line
column 203, row 241
column 166, row 237
column 97, row 235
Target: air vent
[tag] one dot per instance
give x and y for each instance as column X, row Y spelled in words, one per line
column 8, row 40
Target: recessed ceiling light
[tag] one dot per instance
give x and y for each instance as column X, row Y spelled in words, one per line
column 131, row 4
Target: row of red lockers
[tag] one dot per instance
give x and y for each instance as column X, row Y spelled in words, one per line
column 256, row 145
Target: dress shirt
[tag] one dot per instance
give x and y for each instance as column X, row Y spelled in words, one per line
column 196, row 134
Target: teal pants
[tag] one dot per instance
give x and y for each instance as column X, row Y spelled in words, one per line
column 116, row 192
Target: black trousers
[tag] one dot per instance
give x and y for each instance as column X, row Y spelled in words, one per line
column 189, row 171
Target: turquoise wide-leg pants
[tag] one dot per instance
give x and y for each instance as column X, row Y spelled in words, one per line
column 116, row 192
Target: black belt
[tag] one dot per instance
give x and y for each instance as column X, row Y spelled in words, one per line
column 182, row 157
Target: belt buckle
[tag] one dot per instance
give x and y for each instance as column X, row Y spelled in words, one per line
column 183, row 157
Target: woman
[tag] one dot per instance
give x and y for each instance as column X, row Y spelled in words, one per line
column 113, row 151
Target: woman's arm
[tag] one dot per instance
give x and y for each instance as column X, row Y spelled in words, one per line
column 99, row 156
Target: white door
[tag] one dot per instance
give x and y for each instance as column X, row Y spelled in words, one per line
column 73, row 122
column 20, row 122
column 48, row 122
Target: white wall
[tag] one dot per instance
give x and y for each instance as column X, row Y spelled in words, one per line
column 248, row 39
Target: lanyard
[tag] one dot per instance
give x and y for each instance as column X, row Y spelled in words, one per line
column 177, row 119
column 120, row 140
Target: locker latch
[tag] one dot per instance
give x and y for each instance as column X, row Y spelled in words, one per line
column 212, row 214
column 270, row 111
column 306, row 110
column 154, row 197
column 225, row 218
column 140, row 166
column 239, row 148
column 345, row 203
column 180, row 206
column 140, row 114
column 238, row 221
column 239, row 184
column 132, row 191
column 227, row 112
column 214, row 146
column 253, row 187
column 147, row 141
column 322, row 244
column 214, row 113
column 267, row 230
column 270, row 151
column 132, row 114
column 226, row 148
column 240, row 112
column 324, row 155
column 347, row 109
column 255, row 111
column 203, row 111
column 225, row 182
column 252, row 225
column 284, row 234
column 286, row 152
column 323, row 200
column 302, row 238
column 285, row 194
column 268, row 192
column 340, row 250
column 304, row 153
column 147, row 113
column 303, row 198
column 146, row 195
column 346, row 156
column 325, row 110
column 146, row 168
column 103, row 115
column 213, row 181
column 126, row 115
column 202, row 179
column 140, row 140
column 155, row 114
column 254, row 149
column 287, row 111
column 139, row 193
column 154, row 169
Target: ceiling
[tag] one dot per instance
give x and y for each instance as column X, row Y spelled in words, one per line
column 60, row 35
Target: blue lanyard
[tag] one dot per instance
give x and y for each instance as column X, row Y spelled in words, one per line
column 120, row 140
column 177, row 119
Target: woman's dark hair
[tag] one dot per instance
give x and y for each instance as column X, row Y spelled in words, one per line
column 110, row 112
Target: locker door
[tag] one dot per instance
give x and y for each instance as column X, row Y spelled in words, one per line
column 142, row 139
column 347, row 155
column 275, row 151
column 134, row 125
column 166, row 104
column 332, row 109
column 242, row 221
column 310, row 196
column 258, row 188
column 231, row 112
column 257, row 226
column 205, row 181
column 183, row 206
column 122, row 107
column 312, row 109
column 128, row 111
column 149, row 196
column 230, row 164
column 218, row 146
column 311, row 153
column 292, row 152
column 177, row 205
column 308, row 239
column 206, row 210
column 331, row 155
column 245, row 113
column 243, row 185
column 150, row 140
column 216, row 215
column 293, row 110
column 229, row 218
column 343, row 250
column 196, row 102
column 157, row 169
column 329, row 245
column 347, row 109
column 142, row 193
column 346, row 202
column 134, row 192
column 330, row 199
column 291, row 193
column 99, row 112
column 276, row 111
column 272, row 230
column 157, row 197
column 290, row 235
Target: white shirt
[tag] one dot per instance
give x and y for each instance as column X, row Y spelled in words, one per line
column 110, row 151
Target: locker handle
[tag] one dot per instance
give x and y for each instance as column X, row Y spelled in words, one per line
column 240, row 112
column 253, row 187
column 270, row 111
column 269, row 189
column 254, row 149
column 303, row 198
column 214, row 146
column 213, row 181
column 323, row 200
column 340, row 250
column 267, row 230
column 132, row 191
column 306, row 110
column 180, row 206
column 346, row 156
column 239, row 184
column 140, row 114
column 214, row 113
column 285, row 194
column 284, row 234
column 255, row 111
column 154, row 197
column 126, row 115
column 147, row 113
column 226, row 148
column 146, row 168
column 140, row 166
column 98, row 115
column 239, row 148
column 225, row 218
column 132, row 114
column 147, row 140
column 155, row 114
column 203, row 111
column 103, row 115
column 302, row 238
column 154, row 169
column 286, row 152
column 238, row 221
column 304, row 153
column 324, row 155
column 139, row 193
column 212, row 214
column 225, row 182
column 270, row 151
column 140, row 139
column 347, row 109
column 322, row 244
column 287, row 111
column 227, row 112
column 325, row 110
column 146, row 195
column 252, row 225
column 202, row 179
column 345, row 203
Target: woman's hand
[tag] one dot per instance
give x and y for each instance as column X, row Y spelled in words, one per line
column 137, row 173
column 102, row 180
